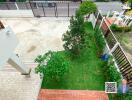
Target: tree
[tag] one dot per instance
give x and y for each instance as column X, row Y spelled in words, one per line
column 123, row 1
column 87, row 7
column 52, row 65
column 130, row 1
column 74, row 38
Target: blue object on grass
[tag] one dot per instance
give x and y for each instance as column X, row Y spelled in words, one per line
column 105, row 57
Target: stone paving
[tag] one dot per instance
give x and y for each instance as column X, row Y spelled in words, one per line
column 46, row 94
column 37, row 35
column 14, row 86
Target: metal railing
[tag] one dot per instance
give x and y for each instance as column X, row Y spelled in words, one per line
column 14, row 6
column 50, row 8
column 54, row 8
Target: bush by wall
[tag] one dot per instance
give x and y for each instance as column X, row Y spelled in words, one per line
column 116, row 28
column 99, row 40
column 111, row 73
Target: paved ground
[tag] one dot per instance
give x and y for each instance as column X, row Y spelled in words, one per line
column 14, row 86
column 72, row 95
column 37, row 35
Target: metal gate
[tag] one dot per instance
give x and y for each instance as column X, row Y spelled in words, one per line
column 54, row 8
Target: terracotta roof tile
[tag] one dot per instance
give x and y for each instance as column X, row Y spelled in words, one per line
column 46, row 94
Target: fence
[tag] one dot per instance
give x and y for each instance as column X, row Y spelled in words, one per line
column 15, row 6
column 122, row 62
column 44, row 8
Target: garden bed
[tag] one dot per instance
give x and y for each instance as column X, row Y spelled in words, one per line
column 85, row 72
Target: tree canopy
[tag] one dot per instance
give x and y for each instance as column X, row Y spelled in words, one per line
column 52, row 65
column 87, row 7
column 74, row 37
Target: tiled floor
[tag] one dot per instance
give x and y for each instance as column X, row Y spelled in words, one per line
column 46, row 94
column 14, row 86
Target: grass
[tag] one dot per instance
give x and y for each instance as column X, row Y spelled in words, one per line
column 85, row 72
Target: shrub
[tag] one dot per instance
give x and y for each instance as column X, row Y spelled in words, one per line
column 87, row 7
column 52, row 65
column 99, row 40
column 114, row 75
column 130, row 1
column 116, row 28
column 111, row 71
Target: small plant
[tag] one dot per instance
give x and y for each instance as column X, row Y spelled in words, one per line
column 52, row 65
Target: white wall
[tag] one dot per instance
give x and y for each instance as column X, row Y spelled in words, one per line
column 16, row 13
column 92, row 19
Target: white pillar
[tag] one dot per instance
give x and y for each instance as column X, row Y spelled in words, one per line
column 115, row 46
column 130, row 23
column 101, row 23
column 108, row 14
column 16, row 6
column 16, row 63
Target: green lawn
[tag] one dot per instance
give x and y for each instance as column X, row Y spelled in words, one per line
column 85, row 72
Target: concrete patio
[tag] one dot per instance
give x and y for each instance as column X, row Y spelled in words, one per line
column 14, row 86
column 37, row 35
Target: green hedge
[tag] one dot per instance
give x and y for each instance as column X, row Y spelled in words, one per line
column 99, row 40
column 111, row 73
column 116, row 28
